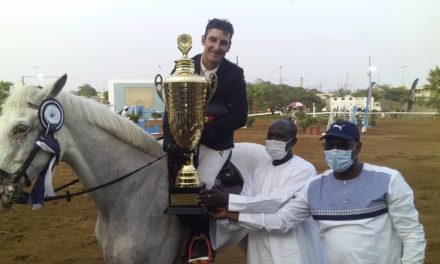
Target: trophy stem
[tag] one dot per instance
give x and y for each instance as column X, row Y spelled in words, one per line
column 187, row 176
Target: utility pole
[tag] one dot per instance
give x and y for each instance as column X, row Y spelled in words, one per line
column 281, row 67
column 38, row 74
column 347, row 82
column 367, row 103
column 369, row 71
column 403, row 67
column 370, row 87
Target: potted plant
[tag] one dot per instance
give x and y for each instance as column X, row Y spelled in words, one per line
column 309, row 122
column 250, row 121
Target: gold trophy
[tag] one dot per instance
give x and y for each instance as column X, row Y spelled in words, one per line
column 185, row 100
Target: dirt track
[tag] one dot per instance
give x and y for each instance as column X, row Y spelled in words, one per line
column 63, row 232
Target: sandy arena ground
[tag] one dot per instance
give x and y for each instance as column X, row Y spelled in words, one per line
column 63, row 232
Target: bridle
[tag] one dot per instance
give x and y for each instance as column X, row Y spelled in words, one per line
column 9, row 182
column 16, row 195
column 10, row 189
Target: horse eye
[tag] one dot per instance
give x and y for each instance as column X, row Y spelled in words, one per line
column 20, row 129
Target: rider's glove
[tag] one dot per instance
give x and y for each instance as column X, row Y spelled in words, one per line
column 173, row 147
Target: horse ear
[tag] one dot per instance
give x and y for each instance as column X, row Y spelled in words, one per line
column 58, row 86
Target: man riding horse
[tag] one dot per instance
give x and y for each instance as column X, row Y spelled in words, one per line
column 225, row 112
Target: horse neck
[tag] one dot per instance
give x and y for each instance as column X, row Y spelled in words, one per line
column 98, row 157
column 131, row 209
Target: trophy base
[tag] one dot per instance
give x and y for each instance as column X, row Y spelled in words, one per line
column 184, row 201
column 185, row 210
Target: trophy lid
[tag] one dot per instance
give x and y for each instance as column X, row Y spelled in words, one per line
column 184, row 44
column 185, row 66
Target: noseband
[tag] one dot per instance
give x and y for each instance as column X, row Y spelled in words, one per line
column 9, row 182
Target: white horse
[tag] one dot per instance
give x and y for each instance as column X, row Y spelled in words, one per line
column 100, row 146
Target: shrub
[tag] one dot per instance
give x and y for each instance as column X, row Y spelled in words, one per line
column 250, row 121
column 156, row 115
column 308, row 121
column 133, row 117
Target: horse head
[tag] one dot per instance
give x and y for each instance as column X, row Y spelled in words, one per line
column 18, row 134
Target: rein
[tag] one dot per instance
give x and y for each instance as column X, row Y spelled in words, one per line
column 21, row 197
column 68, row 196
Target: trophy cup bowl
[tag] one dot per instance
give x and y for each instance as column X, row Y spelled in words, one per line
column 185, row 101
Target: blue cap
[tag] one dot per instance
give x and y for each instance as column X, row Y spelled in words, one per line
column 344, row 130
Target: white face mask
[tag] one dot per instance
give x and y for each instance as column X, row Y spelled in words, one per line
column 276, row 148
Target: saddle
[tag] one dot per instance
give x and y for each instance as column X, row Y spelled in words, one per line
column 229, row 179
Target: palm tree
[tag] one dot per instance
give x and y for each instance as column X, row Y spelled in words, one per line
column 433, row 87
column 4, row 91
column 254, row 93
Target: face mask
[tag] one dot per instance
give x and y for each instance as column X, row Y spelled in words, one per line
column 339, row 160
column 276, row 149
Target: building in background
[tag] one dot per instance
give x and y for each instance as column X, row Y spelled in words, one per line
column 134, row 92
column 422, row 94
column 347, row 103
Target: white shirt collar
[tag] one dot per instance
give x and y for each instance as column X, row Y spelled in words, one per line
column 204, row 71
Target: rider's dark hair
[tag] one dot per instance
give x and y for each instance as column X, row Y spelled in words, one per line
column 222, row 24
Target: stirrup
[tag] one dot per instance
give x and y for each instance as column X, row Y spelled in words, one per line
column 200, row 259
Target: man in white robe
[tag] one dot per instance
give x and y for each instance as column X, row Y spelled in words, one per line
column 273, row 184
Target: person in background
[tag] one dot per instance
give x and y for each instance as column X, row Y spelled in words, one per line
column 125, row 112
column 273, row 184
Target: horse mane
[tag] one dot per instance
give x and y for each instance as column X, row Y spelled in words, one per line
column 77, row 108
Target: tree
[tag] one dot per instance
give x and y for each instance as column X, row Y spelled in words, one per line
column 106, row 96
column 390, row 98
column 86, row 90
column 263, row 95
column 343, row 92
column 433, row 87
column 273, row 97
column 254, row 95
column 398, row 94
column 4, row 90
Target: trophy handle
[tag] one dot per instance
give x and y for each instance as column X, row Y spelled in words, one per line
column 158, row 86
column 212, row 85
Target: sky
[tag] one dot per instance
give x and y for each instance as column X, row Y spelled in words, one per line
column 326, row 42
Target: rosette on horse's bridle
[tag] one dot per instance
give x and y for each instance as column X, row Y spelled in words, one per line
column 51, row 117
column 43, row 186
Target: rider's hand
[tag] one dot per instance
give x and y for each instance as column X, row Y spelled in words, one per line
column 173, row 147
column 223, row 213
column 213, row 198
column 219, row 213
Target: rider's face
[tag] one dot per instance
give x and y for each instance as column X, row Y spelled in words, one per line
column 216, row 44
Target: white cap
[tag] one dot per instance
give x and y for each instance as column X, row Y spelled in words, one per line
column 126, row 107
